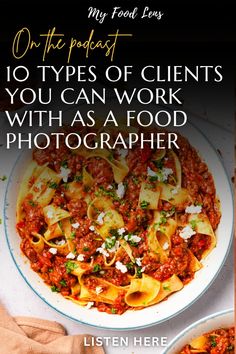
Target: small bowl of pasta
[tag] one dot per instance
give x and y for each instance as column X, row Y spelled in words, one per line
column 122, row 237
column 212, row 334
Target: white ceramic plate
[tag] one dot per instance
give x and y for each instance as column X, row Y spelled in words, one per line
column 223, row 319
column 151, row 315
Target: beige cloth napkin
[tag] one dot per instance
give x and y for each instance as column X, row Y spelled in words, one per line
column 25, row 335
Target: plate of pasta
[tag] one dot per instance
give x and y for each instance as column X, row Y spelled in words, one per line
column 212, row 334
column 121, row 238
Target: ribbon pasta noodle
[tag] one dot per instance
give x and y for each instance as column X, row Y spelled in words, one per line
column 116, row 230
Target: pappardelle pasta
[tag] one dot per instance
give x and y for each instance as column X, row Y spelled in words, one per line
column 219, row 341
column 120, row 229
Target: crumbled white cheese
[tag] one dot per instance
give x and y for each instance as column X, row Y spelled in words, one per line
column 80, row 257
column 165, row 246
column 165, row 173
column 151, row 173
column 120, row 266
column 138, row 261
column 60, row 243
column 52, row 250
column 70, row 256
column 121, row 231
column 120, row 190
column 64, row 173
column 109, row 187
column 91, row 228
column 187, row 232
column 143, row 269
column 123, row 153
column 193, row 209
column 39, row 185
column 175, row 191
column 115, row 247
column 132, row 238
column 162, row 175
column 75, row 225
column 100, row 218
column 102, row 250
column 102, row 272
column 98, row 290
column 50, row 214
column 89, row 305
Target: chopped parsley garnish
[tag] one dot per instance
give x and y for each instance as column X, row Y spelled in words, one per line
column 53, row 185
column 193, row 224
column 32, row 203
column 166, row 287
column 110, row 157
column 158, row 163
column 70, row 266
column 139, row 272
column 110, row 242
column 85, row 249
column 163, row 220
column 135, row 180
column 108, row 192
column 66, row 186
column 72, row 236
column 54, row 289
column 50, row 270
column 96, row 268
column 64, row 164
column 113, row 310
column 153, row 178
column 63, row 282
column 78, row 178
column 129, row 265
column 144, row 204
column 3, row 178
column 213, row 341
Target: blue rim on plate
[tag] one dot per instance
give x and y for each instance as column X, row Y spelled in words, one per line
column 79, row 321
column 195, row 324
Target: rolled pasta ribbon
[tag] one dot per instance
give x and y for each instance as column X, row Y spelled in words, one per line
column 40, row 190
column 199, row 343
column 37, row 242
column 102, row 212
column 203, row 226
column 167, row 287
column 149, row 196
column 53, row 214
column 178, row 169
column 174, row 195
column 142, row 291
column 53, row 231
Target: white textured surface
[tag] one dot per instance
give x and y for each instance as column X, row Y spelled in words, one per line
column 20, row 299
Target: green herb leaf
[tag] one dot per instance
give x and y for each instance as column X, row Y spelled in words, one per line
column 70, row 266
column 158, row 163
column 54, row 289
column 144, row 204
column 96, row 268
column 78, row 178
column 63, row 282
column 113, row 310
column 32, row 203
column 110, row 242
column 85, row 249
column 53, row 185
column 64, row 164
